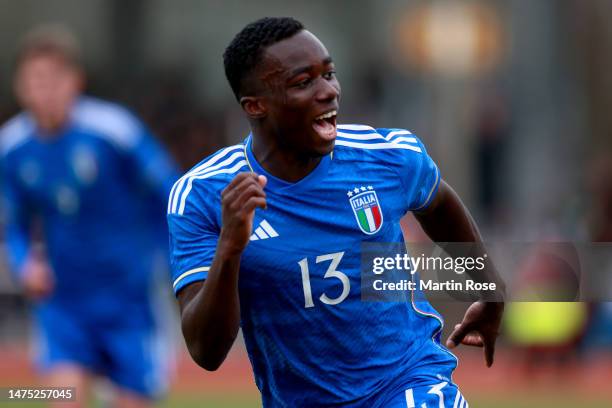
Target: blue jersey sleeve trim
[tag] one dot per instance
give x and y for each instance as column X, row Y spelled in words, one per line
column 190, row 276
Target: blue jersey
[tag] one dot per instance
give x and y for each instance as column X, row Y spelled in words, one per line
column 311, row 340
column 95, row 187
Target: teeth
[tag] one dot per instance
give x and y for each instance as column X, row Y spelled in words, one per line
column 326, row 115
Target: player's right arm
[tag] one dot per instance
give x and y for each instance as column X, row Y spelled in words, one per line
column 210, row 310
column 28, row 265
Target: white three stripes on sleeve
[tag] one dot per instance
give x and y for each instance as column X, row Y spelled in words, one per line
column 237, row 166
column 178, row 186
column 212, row 167
column 391, row 141
column 357, row 127
column 180, row 183
column 373, row 136
column 378, row 146
column 208, row 170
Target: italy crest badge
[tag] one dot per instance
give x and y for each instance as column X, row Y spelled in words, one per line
column 366, row 208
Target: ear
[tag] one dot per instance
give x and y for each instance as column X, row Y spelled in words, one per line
column 253, row 106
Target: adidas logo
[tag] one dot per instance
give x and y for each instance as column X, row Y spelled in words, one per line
column 264, row 231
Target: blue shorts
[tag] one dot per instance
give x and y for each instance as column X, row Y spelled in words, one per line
column 440, row 395
column 131, row 355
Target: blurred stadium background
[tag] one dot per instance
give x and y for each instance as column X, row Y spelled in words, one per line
column 513, row 99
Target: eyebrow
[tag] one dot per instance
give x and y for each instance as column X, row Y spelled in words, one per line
column 307, row 68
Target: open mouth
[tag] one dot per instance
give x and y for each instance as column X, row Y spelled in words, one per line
column 325, row 125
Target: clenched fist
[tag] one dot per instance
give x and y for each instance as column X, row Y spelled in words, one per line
column 238, row 202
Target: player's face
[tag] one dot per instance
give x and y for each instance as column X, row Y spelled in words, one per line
column 301, row 94
column 46, row 85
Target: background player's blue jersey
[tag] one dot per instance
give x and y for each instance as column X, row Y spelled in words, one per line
column 311, row 340
column 96, row 188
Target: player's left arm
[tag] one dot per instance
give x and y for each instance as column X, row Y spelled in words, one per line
column 446, row 219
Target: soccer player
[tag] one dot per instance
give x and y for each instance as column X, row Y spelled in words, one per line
column 264, row 236
column 84, row 177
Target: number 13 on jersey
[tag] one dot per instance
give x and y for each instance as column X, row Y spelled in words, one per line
column 332, row 272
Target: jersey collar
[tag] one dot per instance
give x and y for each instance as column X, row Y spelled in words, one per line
column 312, row 179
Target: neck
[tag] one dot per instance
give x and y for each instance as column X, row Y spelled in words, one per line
column 281, row 161
column 50, row 127
column 51, row 124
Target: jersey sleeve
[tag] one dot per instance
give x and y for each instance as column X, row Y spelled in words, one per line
column 193, row 239
column 426, row 183
column 419, row 174
column 16, row 214
column 153, row 165
column 149, row 163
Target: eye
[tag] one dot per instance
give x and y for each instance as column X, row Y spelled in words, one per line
column 304, row 83
column 329, row 75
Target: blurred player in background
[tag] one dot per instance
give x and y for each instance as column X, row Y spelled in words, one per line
column 266, row 234
column 84, row 178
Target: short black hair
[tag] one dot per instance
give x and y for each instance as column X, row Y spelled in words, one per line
column 244, row 52
column 49, row 39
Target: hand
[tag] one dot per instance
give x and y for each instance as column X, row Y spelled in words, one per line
column 37, row 278
column 239, row 200
column 479, row 328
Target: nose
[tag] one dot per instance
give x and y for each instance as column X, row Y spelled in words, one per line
column 328, row 90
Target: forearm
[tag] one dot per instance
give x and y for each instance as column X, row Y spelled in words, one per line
column 211, row 318
column 19, row 247
column 210, row 311
column 448, row 220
